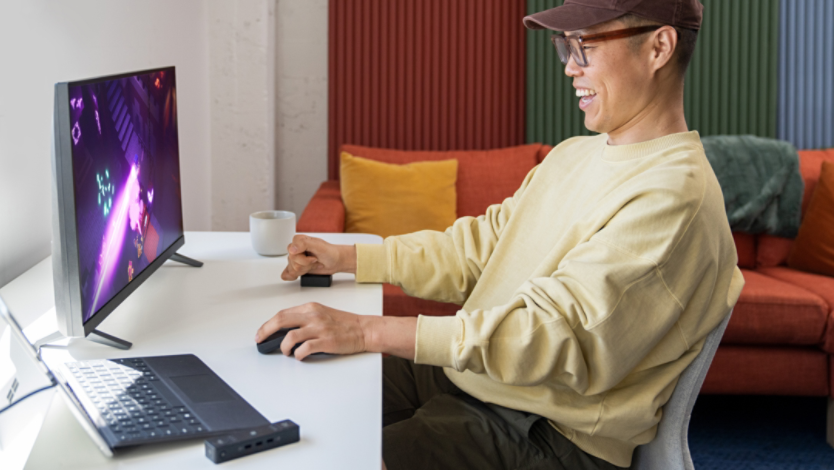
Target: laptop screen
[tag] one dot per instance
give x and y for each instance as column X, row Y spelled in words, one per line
column 20, row 374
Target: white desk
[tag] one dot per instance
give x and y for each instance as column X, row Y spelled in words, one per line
column 214, row 312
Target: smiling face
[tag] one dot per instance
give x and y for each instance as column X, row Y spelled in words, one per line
column 617, row 85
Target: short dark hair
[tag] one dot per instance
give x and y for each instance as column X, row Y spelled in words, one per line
column 686, row 39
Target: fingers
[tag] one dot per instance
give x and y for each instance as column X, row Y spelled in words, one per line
column 298, row 244
column 319, row 329
column 310, row 346
column 288, row 318
column 302, row 243
column 302, row 257
column 298, row 265
column 311, row 255
column 298, row 336
column 302, row 261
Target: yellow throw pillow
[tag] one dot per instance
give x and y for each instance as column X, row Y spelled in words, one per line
column 386, row 199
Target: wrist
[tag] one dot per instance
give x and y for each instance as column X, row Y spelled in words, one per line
column 368, row 325
column 347, row 259
column 389, row 335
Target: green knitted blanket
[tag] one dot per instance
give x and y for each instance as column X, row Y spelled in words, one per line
column 760, row 180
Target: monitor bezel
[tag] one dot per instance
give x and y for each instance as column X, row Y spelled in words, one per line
column 68, row 305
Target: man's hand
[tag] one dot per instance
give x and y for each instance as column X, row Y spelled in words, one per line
column 322, row 329
column 325, row 329
column 316, row 256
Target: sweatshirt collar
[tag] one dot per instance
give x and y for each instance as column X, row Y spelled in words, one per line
column 641, row 149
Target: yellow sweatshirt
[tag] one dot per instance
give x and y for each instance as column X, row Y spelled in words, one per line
column 585, row 295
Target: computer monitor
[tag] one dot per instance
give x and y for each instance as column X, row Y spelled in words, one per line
column 117, row 213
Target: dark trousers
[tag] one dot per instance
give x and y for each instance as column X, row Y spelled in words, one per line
column 429, row 423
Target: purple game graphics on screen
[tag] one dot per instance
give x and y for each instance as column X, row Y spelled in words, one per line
column 126, row 174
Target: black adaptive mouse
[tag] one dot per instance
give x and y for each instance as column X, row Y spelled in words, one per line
column 274, row 340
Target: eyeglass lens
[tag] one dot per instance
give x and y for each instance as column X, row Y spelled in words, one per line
column 567, row 47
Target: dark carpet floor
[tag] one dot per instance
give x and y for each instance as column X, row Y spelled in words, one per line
column 759, row 433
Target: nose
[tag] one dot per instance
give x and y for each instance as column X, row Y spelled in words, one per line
column 571, row 68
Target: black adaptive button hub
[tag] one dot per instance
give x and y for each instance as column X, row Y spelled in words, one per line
column 250, row 441
column 316, row 280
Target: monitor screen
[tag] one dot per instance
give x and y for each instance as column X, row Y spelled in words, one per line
column 125, row 168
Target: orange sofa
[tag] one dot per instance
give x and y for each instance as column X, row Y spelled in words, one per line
column 780, row 338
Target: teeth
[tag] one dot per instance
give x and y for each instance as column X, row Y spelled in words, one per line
column 585, row 92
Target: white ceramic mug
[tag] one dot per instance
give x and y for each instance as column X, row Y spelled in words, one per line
column 272, row 231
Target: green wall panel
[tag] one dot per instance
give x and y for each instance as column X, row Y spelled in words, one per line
column 731, row 84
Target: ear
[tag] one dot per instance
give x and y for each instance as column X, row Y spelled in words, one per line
column 663, row 44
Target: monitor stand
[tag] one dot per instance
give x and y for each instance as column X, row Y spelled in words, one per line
column 102, row 337
column 108, row 340
column 186, row 260
column 95, row 335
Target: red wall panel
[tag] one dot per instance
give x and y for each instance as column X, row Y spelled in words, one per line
column 426, row 74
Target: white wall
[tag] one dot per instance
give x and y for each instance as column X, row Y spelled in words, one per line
column 268, row 88
column 301, row 89
column 252, row 102
column 43, row 42
column 242, row 76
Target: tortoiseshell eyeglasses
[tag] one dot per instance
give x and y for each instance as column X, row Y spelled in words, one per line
column 568, row 46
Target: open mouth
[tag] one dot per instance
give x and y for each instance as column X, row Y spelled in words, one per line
column 586, row 97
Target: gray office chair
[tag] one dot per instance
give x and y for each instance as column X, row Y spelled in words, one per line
column 670, row 448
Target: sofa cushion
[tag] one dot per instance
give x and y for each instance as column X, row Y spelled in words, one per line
column 757, row 370
column 485, row 177
column 543, row 152
column 770, row 311
column 814, row 247
column 823, row 286
column 325, row 212
column 746, row 249
column 396, row 303
column 772, row 250
column 810, row 165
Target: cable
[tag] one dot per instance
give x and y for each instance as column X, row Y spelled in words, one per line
column 27, row 396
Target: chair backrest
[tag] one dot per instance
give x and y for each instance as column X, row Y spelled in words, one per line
column 670, row 448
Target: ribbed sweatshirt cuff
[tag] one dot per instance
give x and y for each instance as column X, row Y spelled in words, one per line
column 372, row 263
column 437, row 339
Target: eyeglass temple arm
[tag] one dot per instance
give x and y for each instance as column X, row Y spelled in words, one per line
column 622, row 33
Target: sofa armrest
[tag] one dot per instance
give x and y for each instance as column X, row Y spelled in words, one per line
column 325, row 212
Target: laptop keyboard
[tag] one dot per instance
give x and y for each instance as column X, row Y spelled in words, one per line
column 126, row 394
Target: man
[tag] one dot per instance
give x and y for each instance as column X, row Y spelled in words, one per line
column 584, row 296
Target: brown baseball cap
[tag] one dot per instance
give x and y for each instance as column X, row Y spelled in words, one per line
column 580, row 14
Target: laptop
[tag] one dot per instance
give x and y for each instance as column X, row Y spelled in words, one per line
column 144, row 400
